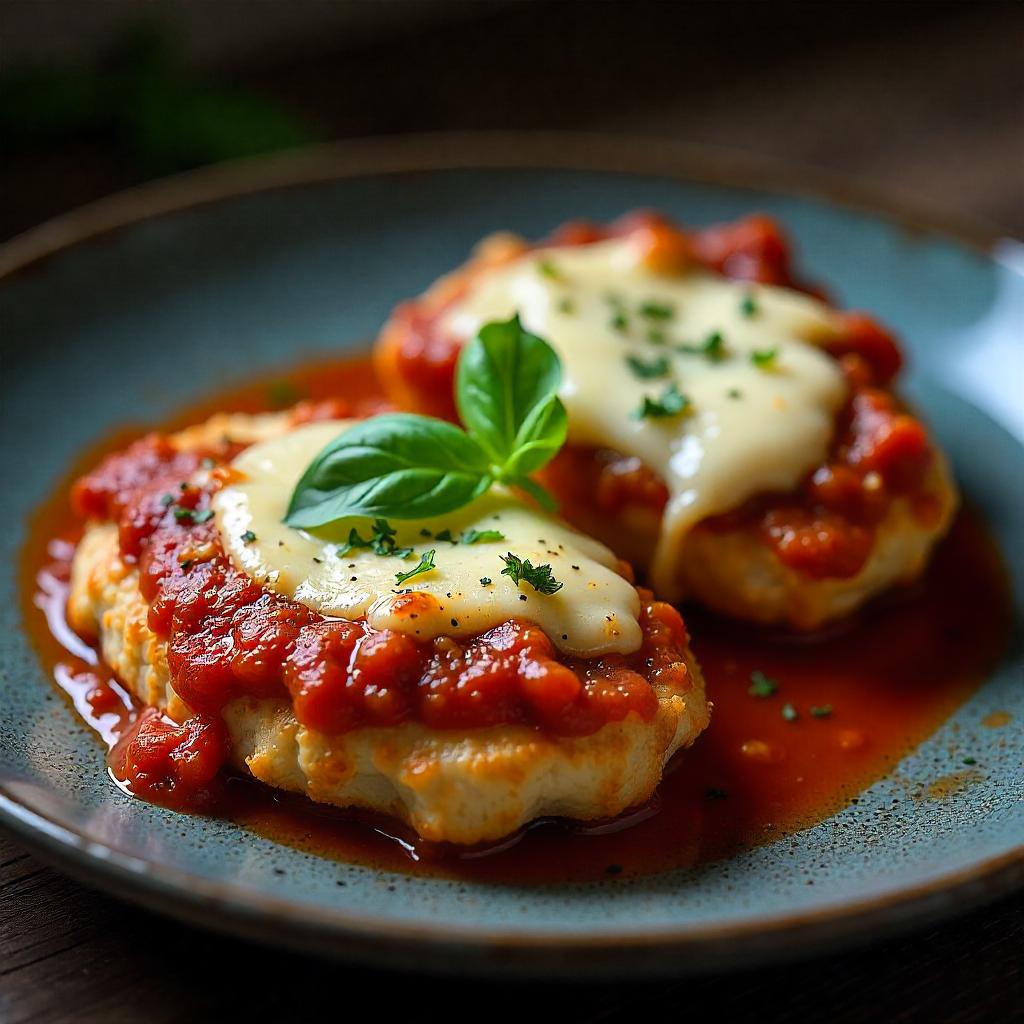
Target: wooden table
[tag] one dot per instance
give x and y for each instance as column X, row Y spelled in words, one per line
column 924, row 101
column 68, row 953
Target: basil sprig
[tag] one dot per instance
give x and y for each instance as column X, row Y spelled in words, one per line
column 403, row 466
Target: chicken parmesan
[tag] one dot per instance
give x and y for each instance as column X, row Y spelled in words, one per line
column 731, row 433
column 466, row 663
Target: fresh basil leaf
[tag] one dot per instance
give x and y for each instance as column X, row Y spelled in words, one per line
column 505, row 381
column 410, row 467
column 397, row 465
column 541, row 435
column 541, row 495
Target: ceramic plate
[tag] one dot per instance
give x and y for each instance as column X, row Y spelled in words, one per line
column 203, row 281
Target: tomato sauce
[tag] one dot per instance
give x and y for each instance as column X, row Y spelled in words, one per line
column 861, row 697
column 229, row 637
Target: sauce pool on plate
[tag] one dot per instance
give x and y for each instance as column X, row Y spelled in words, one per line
column 801, row 725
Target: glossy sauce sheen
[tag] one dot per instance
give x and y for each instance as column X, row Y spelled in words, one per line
column 890, row 678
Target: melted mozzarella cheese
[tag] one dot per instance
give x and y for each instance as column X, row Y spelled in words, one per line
column 594, row 613
column 749, row 428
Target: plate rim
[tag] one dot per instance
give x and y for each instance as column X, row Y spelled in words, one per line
column 454, row 949
column 519, row 949
column 485, row 150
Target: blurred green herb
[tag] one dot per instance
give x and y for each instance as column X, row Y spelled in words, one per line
column 761, row 685
column 143, row 98
column 282, row 393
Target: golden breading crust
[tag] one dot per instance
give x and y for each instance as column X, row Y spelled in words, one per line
column 736, row 573
column 458, row 786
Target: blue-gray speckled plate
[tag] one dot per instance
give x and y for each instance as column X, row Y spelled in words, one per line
column 127, row 309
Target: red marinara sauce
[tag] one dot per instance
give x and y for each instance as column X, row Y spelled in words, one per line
column 229, row 637
column 888, row 678
column 826, row 527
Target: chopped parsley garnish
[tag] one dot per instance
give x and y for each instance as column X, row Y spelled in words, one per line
column 426, row 564
column 790, row 713
column 619, row 321
column 761, row 685
column 656, row 336
column 248, row 537
column 970, row 760
column 191, row 515
column 566, row 306
column 548, row 269
column 381, row 542
column 648, row 369
column 734, row 393
column 657, row 310
column 712, row 347
column 764, row 359
column 821, row 710
column 520, row 570
column 671, row 402
column 472, row 536
column 354, row 541
column 383, row 534
column 748, row 306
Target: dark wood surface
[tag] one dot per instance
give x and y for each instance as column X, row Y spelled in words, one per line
column 68, row 953
column 918, row 100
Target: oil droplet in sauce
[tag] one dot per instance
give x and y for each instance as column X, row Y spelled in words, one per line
column 952, row 784
column 997, row 719
column 847, row 707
